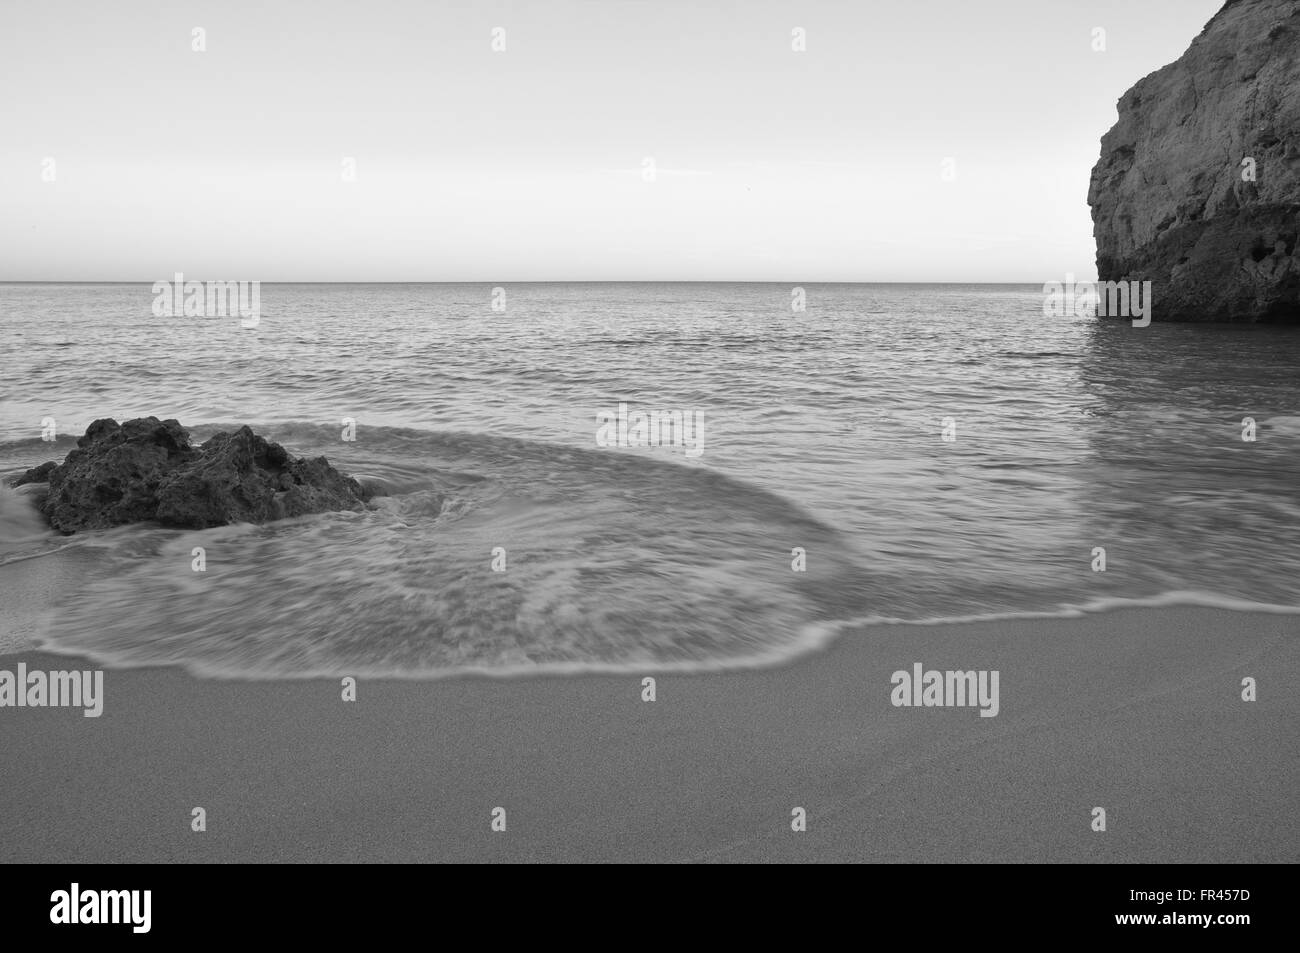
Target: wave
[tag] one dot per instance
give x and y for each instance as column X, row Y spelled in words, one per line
column 24, row 533
column 40, row 449
column 492, row 555
column 500, row 556
column 1164, row 600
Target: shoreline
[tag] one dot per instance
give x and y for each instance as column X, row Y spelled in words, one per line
column 1136, row 710
column 34, row 584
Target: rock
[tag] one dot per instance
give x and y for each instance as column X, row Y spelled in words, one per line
column 1172, row 198
column 146, row 469
column 39, row 474
column 114, row 474
column 243, row 478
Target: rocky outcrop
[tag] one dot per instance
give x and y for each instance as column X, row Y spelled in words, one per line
column 1198, row 185
column 146, row 469
column 39, row 474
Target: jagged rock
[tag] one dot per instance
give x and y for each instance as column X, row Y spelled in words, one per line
column 146, row 469
column 1171, row 202
column 39, row 474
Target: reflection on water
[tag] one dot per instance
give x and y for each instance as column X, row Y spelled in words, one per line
column 1177, row 497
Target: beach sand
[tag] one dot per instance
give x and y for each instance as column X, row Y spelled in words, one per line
column 1136, row 711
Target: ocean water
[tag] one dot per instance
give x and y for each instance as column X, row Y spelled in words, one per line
column 822, row 431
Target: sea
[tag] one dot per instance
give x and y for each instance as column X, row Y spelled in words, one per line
column 841, row 456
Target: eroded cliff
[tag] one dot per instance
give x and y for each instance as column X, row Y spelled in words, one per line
column 1198, row 185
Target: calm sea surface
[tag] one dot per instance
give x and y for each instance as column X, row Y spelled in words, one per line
column 823, row 431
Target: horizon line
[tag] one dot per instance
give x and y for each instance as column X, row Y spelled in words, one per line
column 527, row 281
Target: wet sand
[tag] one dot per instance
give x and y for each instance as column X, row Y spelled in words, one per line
column 1136, row 711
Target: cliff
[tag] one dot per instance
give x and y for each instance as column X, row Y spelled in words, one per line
column 1198, row 184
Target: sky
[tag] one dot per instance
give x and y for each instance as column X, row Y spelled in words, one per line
column 658, row 140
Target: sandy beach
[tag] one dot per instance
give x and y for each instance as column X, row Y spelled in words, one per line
column 1139, row 712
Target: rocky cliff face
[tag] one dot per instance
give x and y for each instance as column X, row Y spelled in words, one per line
column 1198, row 185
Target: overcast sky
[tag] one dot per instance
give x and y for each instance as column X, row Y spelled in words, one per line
column 528, row 163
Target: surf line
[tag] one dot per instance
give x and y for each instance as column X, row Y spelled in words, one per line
column 37, row 689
